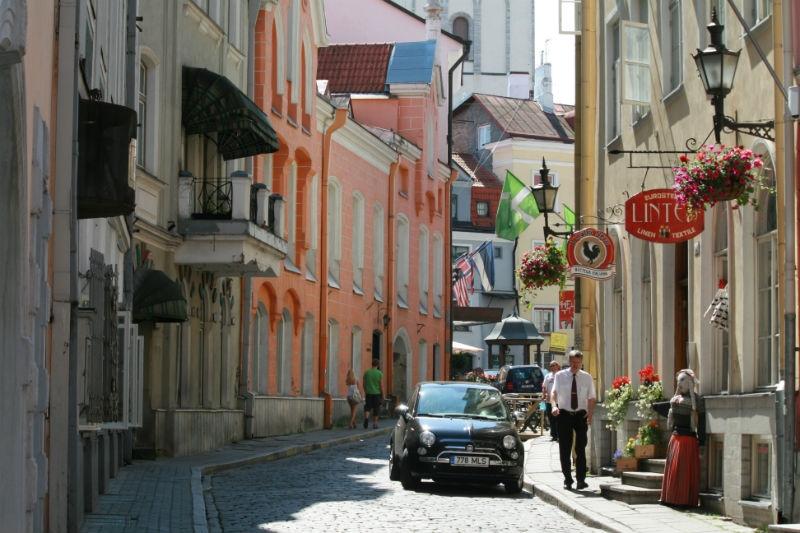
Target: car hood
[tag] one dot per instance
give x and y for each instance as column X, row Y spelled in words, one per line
column 464, row 427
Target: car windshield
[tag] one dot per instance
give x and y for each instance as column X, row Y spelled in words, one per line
column 526, row 373
column 461, row 401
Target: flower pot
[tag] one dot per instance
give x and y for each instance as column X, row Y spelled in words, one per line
column 645, row 451
column 727, row 192
column 626, row 464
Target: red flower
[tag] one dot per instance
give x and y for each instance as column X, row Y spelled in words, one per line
column 619, row 381
column 648, row 376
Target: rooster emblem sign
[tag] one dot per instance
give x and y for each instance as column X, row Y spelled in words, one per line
column 590, row 254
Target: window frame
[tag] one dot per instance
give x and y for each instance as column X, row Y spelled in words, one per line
column 612, row 79
column 333, row 359
column 552, row 310
column 716, row 464
column 671, row 54
column 423, row 276
column 478, row 206
column 484, row 131
column 356, row 354
column 334, row 215
column 626, row 62
column 403, row 229
column 756, row 440
column 357, row 244
column 721, row 338
column 378, row 251
column 438, row 273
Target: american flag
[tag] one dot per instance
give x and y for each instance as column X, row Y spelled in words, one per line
column 463, row 281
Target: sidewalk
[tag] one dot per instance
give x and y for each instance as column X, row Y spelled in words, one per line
column 543, row 477
column 166, row 495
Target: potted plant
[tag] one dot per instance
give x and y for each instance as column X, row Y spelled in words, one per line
column 616, row 401
column 647, row 441
column 650, row 391
column 717, row 173
column 543, row 266
column 624, row 460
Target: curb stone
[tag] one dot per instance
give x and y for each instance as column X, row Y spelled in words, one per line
column 200, row 523
column 589, row 518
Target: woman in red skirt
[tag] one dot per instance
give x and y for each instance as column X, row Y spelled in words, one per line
column 681, row 484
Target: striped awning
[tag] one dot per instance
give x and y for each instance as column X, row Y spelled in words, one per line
column 213, row 104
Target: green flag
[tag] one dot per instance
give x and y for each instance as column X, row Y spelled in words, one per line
column 517, row 208
column 570, row 219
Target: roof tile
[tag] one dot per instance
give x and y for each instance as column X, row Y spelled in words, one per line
column 354, row 68
column 524, row 118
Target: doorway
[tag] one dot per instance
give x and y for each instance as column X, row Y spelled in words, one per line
column 400, row 361
column 681, row 304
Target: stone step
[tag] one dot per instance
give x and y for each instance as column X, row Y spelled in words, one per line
column 609, row 471
column 652, row 465
column 629, row 494
column 645, row 480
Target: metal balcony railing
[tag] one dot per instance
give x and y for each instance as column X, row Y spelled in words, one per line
column 213, row 198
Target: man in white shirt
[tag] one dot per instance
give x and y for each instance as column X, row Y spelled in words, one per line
column 573, row 398
column 547, row 388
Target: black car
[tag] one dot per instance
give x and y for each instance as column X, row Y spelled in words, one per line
column 525, row 379
column 456, row 431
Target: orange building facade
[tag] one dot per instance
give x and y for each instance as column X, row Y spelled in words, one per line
column 365, row 214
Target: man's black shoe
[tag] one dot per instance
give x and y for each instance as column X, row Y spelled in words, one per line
column 582, row 485
column 554, row 439
column 366, row 423
column 568, row 485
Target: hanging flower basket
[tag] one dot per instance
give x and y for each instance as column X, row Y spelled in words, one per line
column 717, row 173
column 543, row 266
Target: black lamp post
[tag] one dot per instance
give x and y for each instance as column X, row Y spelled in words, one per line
column 545, row 196
column 717, row 68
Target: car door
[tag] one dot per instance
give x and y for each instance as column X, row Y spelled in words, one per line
column 401, row 426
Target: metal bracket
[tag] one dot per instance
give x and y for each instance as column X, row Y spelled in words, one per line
column 763, row 129
column 691, row 147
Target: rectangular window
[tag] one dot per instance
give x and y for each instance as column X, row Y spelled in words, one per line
column 377, row 251
column 498, row 252
column 458, row 251
column 756, row 11
column 760, row 481
column 612, row 81
column 454, row 207
column 424, row 270
column 767, row 307
column 569, row 17
column 484, row 135
column 716, row 463
column 234, row 23
column 141, row 130
column 635, row 63
column 438, row 265
column 536, row 178
column 544, row 319
column 672, row 45
column 482, row 208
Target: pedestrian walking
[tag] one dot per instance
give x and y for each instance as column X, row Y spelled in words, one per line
column 547, row 389
column 573, row 398
column 373, row 391
column 353, row 396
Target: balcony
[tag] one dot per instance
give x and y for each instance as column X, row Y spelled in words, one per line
column 230, row 226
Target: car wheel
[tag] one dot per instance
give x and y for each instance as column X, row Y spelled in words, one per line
column 514, row 486
column 394, row 466
column 407, row 479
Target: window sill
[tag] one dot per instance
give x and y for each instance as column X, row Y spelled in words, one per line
column 378, row 297
column 333, row 283
column 357, row 290
column 639, row 121
column 404, row 194
column 289, row 266
column 276, row 112
column 292, row 122
column 401, row 303
column 423, row 310
column 310, row 276
column 614, row 140
column 759, row 26
column 667, row 98
column 306, row 131
column 762, row 503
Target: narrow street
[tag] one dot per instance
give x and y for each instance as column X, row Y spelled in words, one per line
column 347, row 489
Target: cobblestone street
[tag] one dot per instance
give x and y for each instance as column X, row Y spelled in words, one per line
column 347, row 488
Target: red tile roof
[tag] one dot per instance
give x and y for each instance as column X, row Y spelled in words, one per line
column 354, row 68
column 481, row 175
column 524, row 118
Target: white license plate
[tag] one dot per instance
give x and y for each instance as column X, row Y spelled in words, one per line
column 468, row 460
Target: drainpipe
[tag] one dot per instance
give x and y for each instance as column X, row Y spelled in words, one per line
column 790, row 314
column 448, row 260
column 390, row 278
column 339, row 118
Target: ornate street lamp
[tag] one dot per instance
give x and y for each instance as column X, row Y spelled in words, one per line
column 717, row 68
column 545, row 196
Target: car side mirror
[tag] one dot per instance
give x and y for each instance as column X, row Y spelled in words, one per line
column 519, row 416
column 401, row 411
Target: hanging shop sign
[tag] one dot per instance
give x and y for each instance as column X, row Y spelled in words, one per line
column 590, row 254
column 558, row 342
column 656, row 216
column 566, row 309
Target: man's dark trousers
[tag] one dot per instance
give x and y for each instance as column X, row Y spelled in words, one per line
column 568, row 422
column 548, row 408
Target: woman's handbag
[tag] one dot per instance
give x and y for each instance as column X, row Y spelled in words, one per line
column 354, row 394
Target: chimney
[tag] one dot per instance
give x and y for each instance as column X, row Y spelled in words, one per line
column 543, row 87
column 433, row 20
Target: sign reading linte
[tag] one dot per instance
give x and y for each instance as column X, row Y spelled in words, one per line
column 656, row 216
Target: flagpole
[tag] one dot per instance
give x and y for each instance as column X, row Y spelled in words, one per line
column 514, row 277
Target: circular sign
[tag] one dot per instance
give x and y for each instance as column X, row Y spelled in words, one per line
column 590, row 253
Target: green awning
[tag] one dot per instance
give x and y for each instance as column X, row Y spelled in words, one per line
column 213, row 104
column 157, row 298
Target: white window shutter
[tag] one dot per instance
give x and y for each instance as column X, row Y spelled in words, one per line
column 569, row 17
column 635, row 63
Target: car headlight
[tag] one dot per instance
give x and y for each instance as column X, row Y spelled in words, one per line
column 427, row 438
column 509, row 442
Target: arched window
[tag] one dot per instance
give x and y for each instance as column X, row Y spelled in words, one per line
column 767, row 283
column 438, row 272
column 291, row 215
column 355, row 350
column 307, row 349
column 278, row 62
column 358, row 242
column 309, row 83
column 261, row 350
column 721, row 337
column 618, row 313
column 401, row 255
column 334, row 231
column 293, row 50
column 333, row 358
column 313, row 226
column 378, row 250
column 422, row 275
column 285, row 353
column 423, row 360
column 461, row 28
column 647, row 305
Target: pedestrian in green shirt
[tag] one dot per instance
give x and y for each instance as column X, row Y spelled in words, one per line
column 373, row 390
